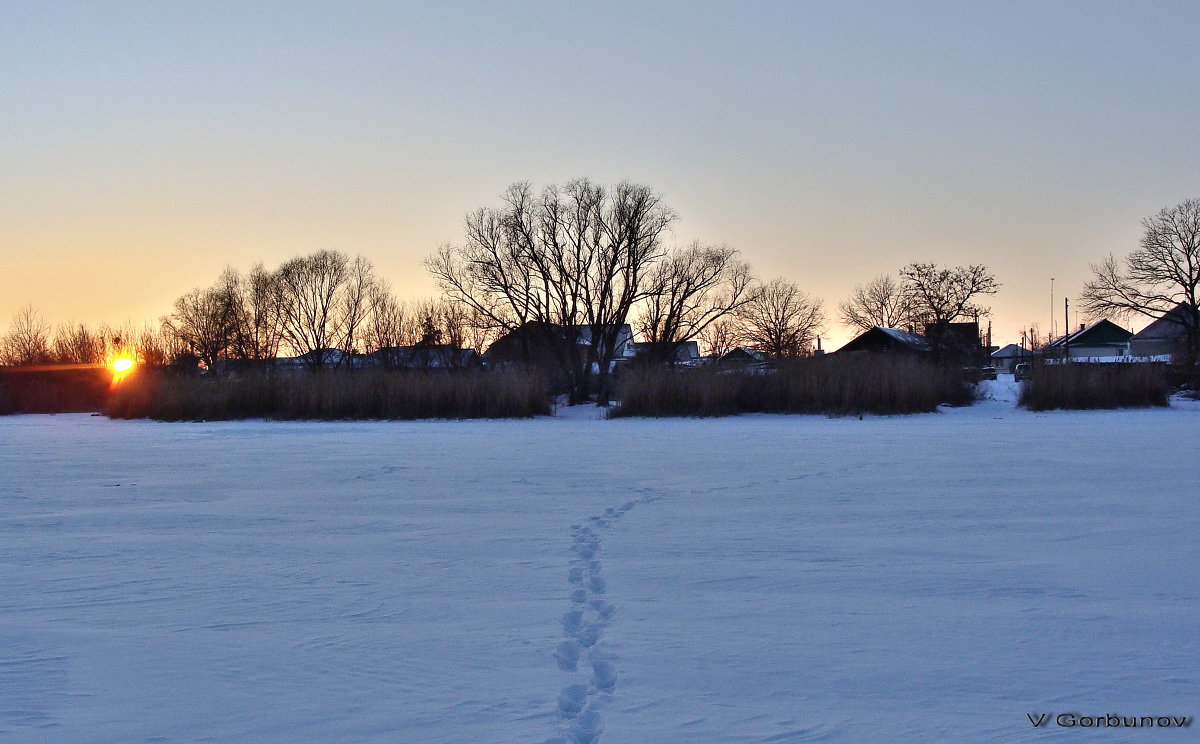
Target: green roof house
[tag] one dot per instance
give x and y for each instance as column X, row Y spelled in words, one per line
column 1102, row 341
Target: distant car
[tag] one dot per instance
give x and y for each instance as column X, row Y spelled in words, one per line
column 1022, row 371
column 987, row 373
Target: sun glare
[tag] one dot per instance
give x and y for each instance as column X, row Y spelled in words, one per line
column 122, row 365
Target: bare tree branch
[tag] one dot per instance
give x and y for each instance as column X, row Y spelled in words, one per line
column 565, row 267
column 781, row 321
column 690, row 289
column 945, row 295
column 1162, row 274
column 882, row 302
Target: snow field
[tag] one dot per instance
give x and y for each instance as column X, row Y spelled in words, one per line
column 758, row 579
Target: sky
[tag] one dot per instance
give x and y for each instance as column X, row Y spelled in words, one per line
column 144, row 146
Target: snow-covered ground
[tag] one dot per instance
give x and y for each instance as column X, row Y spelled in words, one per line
column 758, row 579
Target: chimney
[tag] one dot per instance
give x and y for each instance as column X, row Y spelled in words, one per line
column 1082, row 326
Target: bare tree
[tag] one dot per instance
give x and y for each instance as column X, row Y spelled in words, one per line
column 384, row 326
column 940, row 296
column 255, row 300
column 721, row 337
column 427, row 324
column 28, row 340
column 476, row 330
column 75, row 343
column 1162, row 274
column 148, row 345
column 311, row 302
column 781, row 321
column 882, row 302
column 566, row 267
column 460, row 326
column 355, row 305
column 204, row 322
column 690, row 290
column 1033, row 339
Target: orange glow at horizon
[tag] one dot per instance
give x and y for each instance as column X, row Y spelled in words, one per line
column 124, row 364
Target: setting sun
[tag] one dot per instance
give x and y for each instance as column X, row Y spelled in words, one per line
column 122, row 365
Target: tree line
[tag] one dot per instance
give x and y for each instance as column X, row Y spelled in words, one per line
column 562, row 270
column 32, row 340
column 309, row 304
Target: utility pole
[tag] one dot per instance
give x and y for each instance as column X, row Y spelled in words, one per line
column 1051, row 307
column 1066, row 329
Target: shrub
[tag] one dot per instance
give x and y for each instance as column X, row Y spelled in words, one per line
column 331, row 395
column 1080, row 386
column 25, row 390
column 833, row 386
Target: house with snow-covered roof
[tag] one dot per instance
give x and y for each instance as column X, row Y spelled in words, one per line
column 320, row 359
column 540, row 344
column 1167, row 335
column 1101, row 341
column 887, row 340
column 1006, row 358
column 423, row 356
column 686, row 353
column 742, row 357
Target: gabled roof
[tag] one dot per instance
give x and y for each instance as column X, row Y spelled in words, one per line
column 623, row 333
column 1172, row 325
column 1101, row 333
column 741, row 353
column 907, row 338
column 1011, row 351
column 420, row 356
column 321, row 357
column 538, row 342
column 880, row 339
column 681, row 351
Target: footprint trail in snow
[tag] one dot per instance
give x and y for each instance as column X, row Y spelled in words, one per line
column 592, row 670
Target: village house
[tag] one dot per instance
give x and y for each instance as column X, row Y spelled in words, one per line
column 1006, row 358
column 540, row 344
column 423, row 356
column 1167, row 335
column 1102, row 341
column 881, row 340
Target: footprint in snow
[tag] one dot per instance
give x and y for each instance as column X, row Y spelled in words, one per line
column 604, row 676
column 604, row 609
column 567, row 655
column 571, row 700
column 572, row 621
column 586, row 728
column 577, row 702
column 589, row 636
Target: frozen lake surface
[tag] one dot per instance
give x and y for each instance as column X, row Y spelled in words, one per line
column 757, row 579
